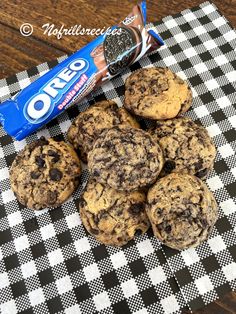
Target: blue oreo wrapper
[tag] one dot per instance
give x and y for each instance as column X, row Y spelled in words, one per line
column 74, row 78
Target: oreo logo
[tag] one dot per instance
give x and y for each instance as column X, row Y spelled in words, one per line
column 41, row 105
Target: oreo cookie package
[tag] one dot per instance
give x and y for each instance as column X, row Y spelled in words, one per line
column 79, row 74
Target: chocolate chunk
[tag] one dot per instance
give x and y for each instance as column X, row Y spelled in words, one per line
column 39, row 161
column 198, row 165
column 96, row 173
column 55, row 155
column 142, row 89
column 55, row 174
column 202, row 173
column 52, row 197
column 168, row 229
column 136, row 208
column 187, row 213
column 40, row 142
column 204, row 223
column 94, row 231
column 82, row 202
column 169, row 166
column 34, row 175
column 138, row 232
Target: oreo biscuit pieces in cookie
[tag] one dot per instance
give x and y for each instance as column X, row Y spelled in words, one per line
column 157, row 93
column 45, row 173
column 182, row 210
column 90, row 123
column 78, row 75
column 186, row 145
column 125, row 158
column 113, row 217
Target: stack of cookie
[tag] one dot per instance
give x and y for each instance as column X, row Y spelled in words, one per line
column 138, row 178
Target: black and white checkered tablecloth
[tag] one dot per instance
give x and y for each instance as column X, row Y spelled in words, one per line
column 49, row 264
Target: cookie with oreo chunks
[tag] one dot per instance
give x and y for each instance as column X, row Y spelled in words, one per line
column 45, row 173
column 113, row 217
column 157, row 93
column 187, row 147
column 90, row 123
column 125, row 158
column 182, row 210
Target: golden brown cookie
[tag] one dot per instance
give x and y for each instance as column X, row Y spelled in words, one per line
column 113, row 217
column 182, row 210
column 157, row 93
column 125, row 158
column 90, row 123
column 45, row 173
column 187, row 147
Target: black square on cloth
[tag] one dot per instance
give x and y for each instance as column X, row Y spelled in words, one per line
column 31, row 225
column 214, row 33
column 195, row 41
column 220, row 166
column 175, row 49
column 33, row 71
column 137, row 267
column 223, row 289
column 228, row 89
column 99, row 252
column 206, row 97
column 230, row 135
column 186, row 64
column 218, row 115
column 210, row 264
column 204, row 20
column 205, row 56
column 46, row 277
column 11, row 80
column 121, row 307
column 195, row 80
column 9, row 159
column 5, row 236
column 18, row 289
column 54, row 305
column 223, row 225
column 196, row 303
column 11, row 262
column 82, row 292
column 225, row 48
column 73, row 264
column 231, row 188
column 38, row 250
column 149, row 296
column 216, row 72
column 110, row 280
column 185, row 27
column 184, row 277
column 64, row 238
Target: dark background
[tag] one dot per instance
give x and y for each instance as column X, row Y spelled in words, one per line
column 19, row 53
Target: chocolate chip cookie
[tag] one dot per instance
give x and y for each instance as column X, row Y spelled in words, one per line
column 125, row 158
column 45, row 173
column 182, row 210
column 187, row 147
column 113, row 217
column 89, row 124
column 157, row 93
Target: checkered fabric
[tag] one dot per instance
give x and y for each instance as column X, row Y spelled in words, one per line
column 50, row 264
